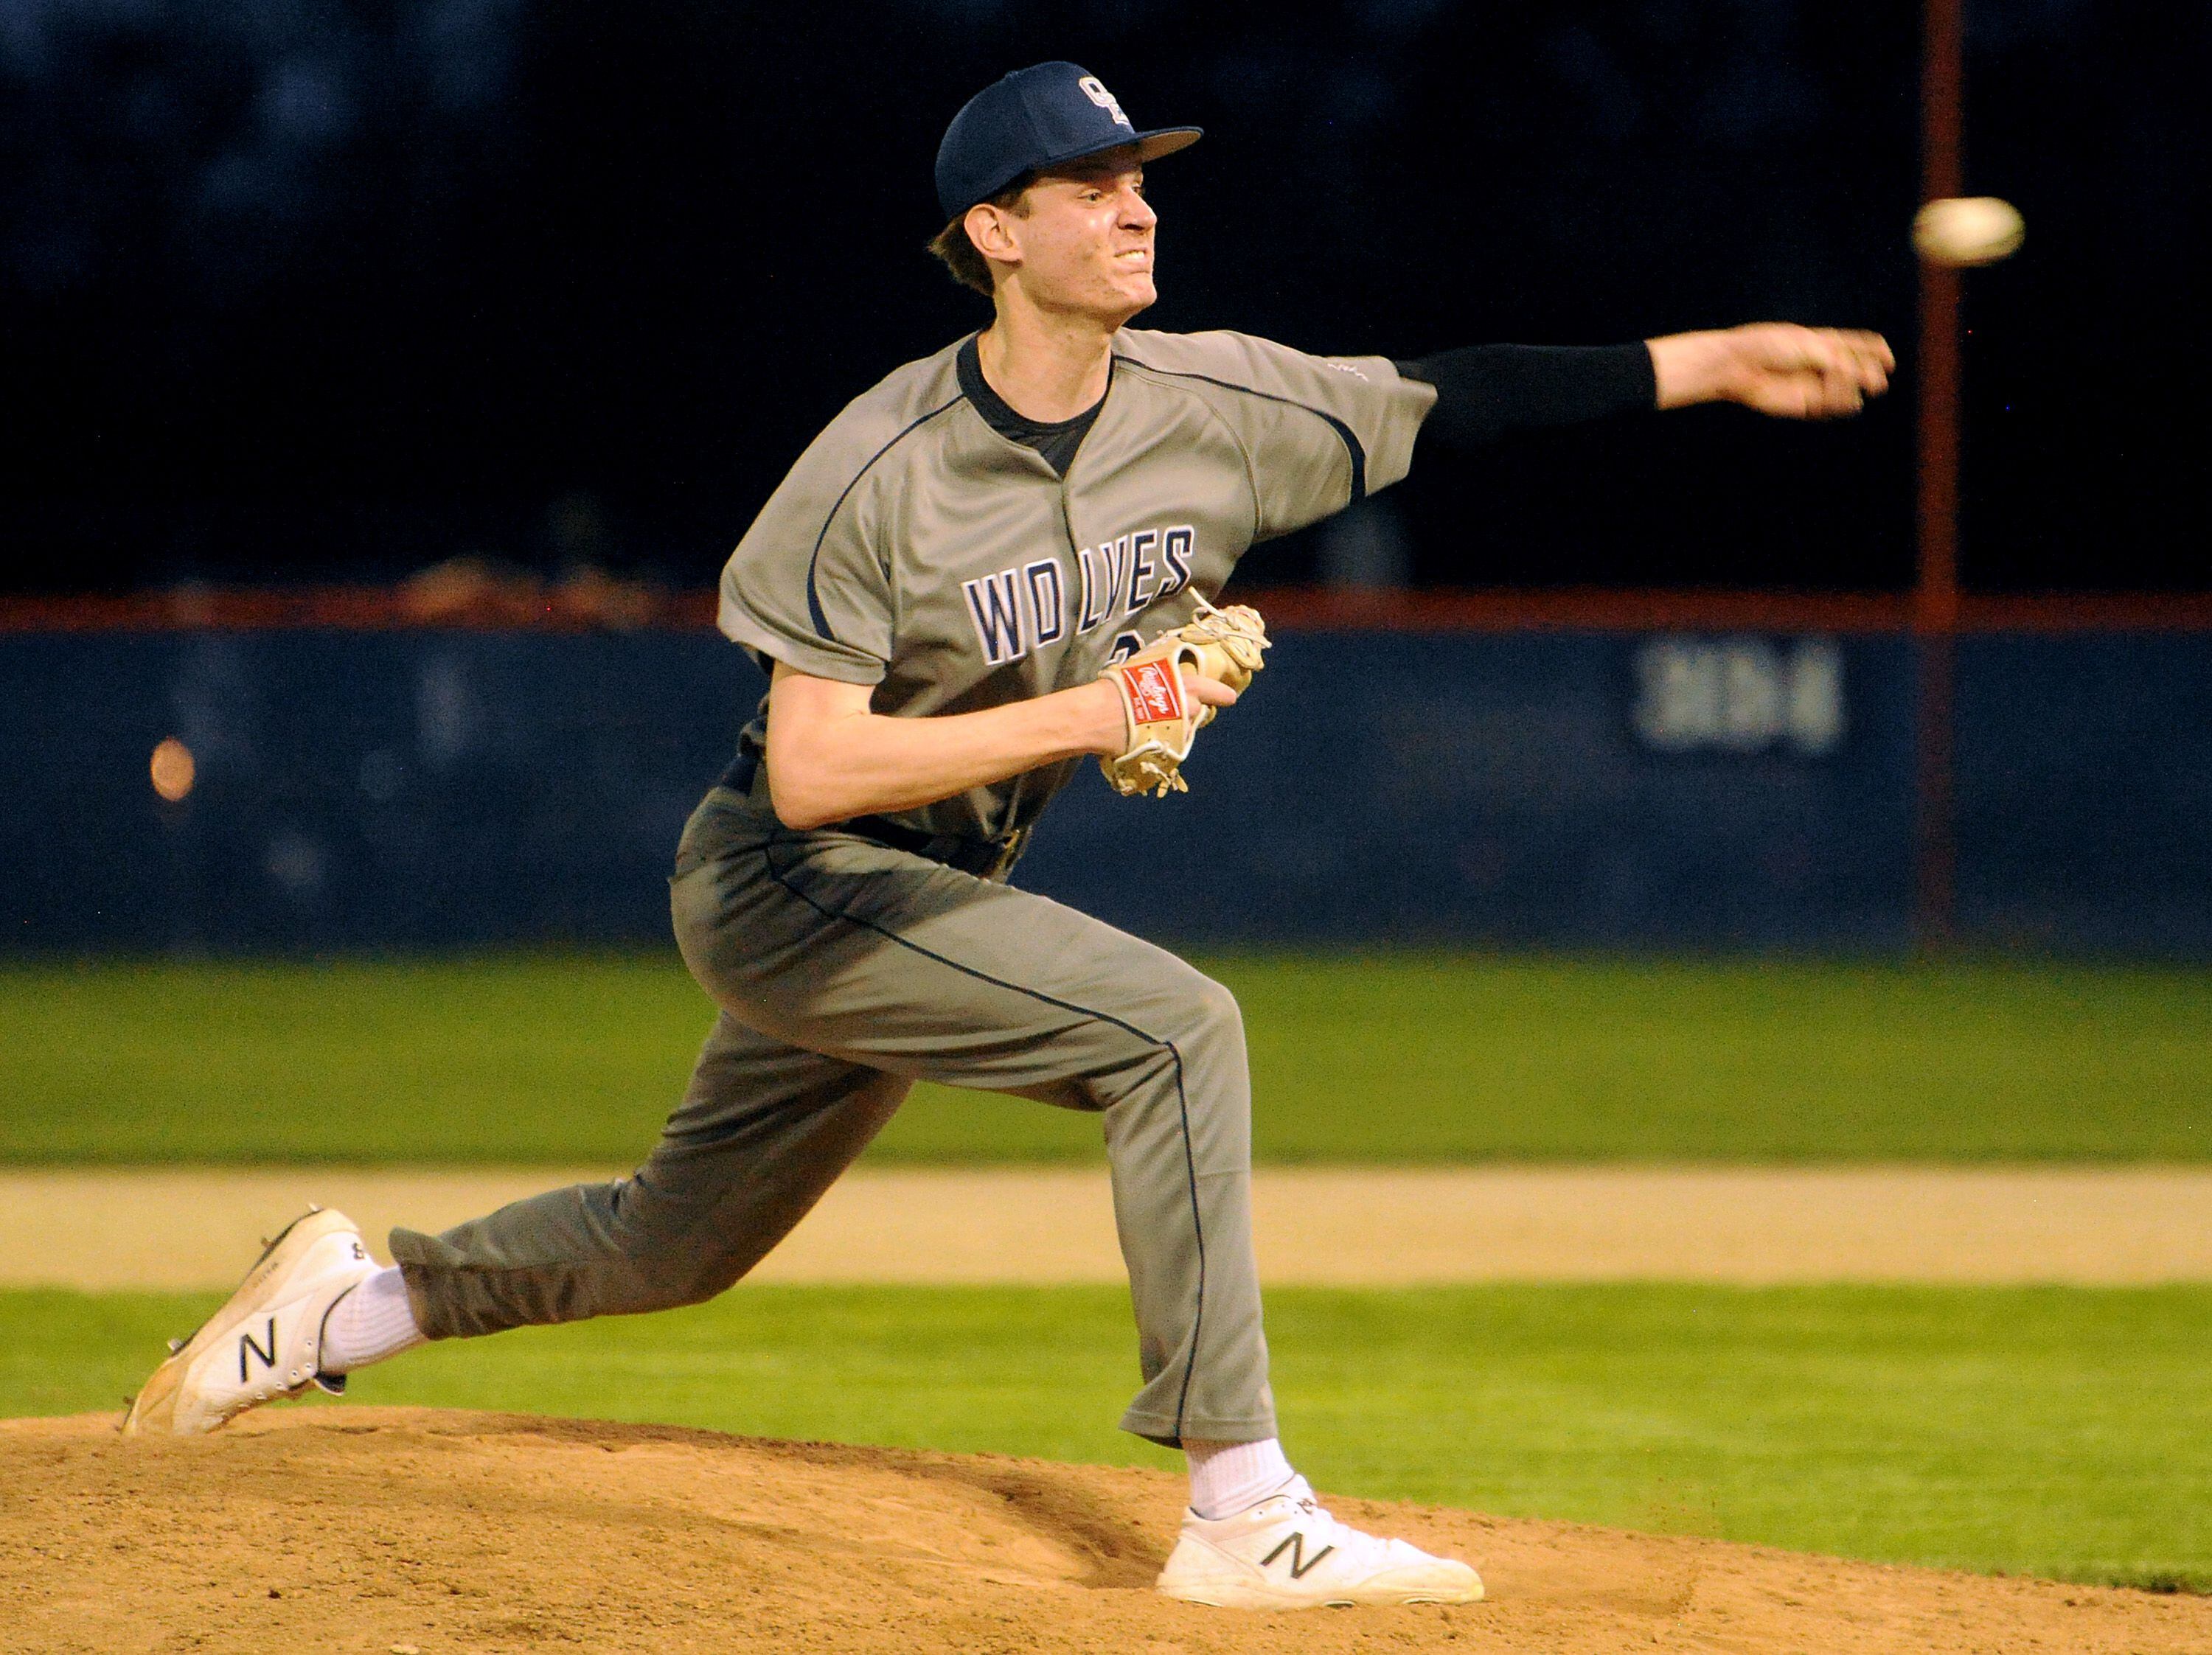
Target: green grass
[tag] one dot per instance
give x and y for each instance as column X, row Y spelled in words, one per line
column 2057, row 1432
column 1401, row 1057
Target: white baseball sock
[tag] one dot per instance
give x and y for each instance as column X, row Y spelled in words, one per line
column 1228, row 1477
column 369, row 1324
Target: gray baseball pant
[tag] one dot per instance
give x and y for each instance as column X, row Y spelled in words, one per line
column 846, row 971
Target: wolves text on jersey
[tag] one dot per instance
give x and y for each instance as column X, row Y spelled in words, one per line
column 1026, row 607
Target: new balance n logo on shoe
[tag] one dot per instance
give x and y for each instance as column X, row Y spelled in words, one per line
column 1295, row 1545
column 246, row 1343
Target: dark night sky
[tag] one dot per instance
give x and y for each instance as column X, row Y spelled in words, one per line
column 303, row 291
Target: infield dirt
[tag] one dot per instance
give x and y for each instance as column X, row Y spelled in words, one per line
column 382, row 1530
column 198, row 1226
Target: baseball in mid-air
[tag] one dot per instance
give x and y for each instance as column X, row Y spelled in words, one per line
column 1968, row 230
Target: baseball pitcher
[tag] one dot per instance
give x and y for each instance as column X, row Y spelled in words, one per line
column 1001, row 562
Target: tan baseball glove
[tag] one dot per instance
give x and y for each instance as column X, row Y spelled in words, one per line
column 1163, row 716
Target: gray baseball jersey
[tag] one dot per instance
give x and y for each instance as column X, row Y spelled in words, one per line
column 915, row 549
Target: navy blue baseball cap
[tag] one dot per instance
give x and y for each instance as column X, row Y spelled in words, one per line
column 1045, row 115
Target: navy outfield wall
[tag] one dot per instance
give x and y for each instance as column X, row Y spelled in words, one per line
column 423, row 789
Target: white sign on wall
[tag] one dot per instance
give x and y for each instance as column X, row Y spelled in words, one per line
column 1740, row 695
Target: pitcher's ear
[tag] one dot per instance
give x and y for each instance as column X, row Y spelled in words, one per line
column 991, row 234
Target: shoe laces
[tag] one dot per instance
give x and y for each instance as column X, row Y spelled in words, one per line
column 1300, row 1493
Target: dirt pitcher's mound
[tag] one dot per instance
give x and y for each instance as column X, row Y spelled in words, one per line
column 375, row 1530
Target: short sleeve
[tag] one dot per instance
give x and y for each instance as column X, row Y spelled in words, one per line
column 806, row 585
column 1323, row 432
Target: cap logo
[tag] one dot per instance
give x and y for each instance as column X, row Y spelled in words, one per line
column 1095, row 91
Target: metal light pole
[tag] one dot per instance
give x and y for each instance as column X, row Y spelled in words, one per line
column 1936, row 598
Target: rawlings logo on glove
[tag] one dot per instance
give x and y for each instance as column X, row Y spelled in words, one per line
column 1162, row 717
column 1151, row 693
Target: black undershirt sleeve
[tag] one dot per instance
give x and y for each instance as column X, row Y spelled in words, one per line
column 1486, row 392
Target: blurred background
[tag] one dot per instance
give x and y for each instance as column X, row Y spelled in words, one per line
column 387, row 383
column 1759, row 873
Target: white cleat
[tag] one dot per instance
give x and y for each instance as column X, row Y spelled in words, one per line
column 1287, row 1553
column 264, row 1344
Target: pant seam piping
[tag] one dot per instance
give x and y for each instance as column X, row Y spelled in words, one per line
column 1182, row 1098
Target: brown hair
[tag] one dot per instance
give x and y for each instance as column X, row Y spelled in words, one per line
column 968, row 267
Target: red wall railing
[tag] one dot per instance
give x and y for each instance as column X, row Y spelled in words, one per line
column 615, row 606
